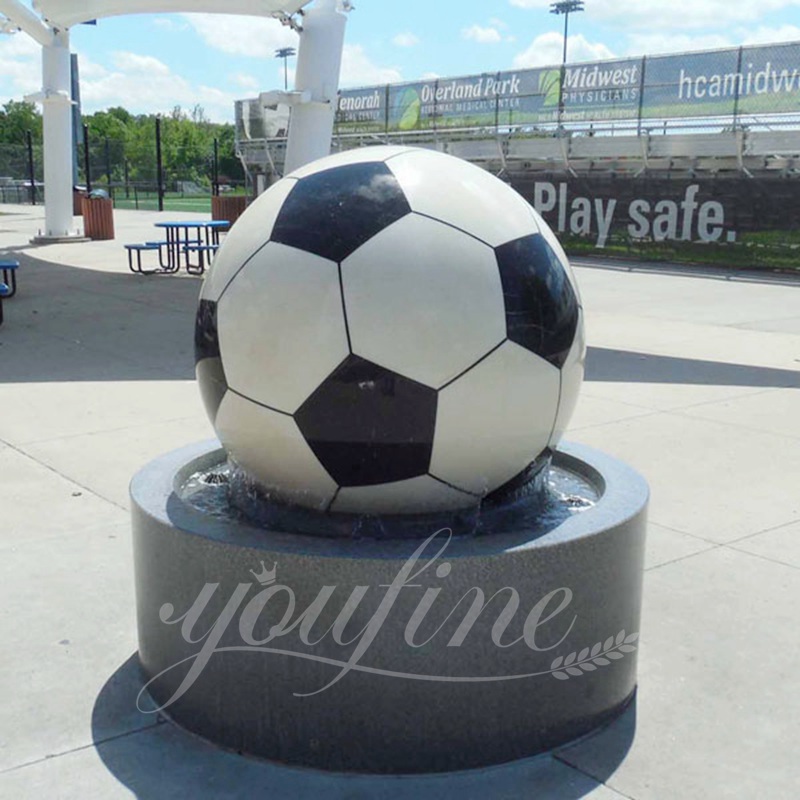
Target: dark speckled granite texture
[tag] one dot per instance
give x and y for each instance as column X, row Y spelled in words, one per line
column 369, row 721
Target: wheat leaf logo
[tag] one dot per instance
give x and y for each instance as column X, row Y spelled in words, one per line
column 577, row 664
column 550, row 86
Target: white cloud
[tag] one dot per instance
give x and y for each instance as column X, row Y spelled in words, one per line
column 257, row 37
column 477, row 33
column 20, row 67
column 667, row 16
column 146, row 66
column 90, row 70
column 169, row 23
column 765, row 35
column 20, row 45
column 652, row 43
column 405, row 40
column 135, row 81
column 245, row 81
column 359, row 70
column 430, row 76
column 547, row 50
column 640, row 44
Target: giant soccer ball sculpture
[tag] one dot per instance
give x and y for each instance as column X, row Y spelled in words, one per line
column 390, row 331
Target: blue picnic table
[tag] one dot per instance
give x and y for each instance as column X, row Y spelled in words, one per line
column 185, row 237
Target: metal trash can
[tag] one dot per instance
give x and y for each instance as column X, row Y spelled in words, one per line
column 98, row 215
column 78, row 195
column 229, row 207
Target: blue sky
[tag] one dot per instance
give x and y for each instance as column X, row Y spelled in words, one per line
column 150, row 63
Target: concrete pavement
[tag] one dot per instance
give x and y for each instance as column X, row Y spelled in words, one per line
column 693, row 380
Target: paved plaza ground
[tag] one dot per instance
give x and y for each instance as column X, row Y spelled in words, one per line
column 694, row 379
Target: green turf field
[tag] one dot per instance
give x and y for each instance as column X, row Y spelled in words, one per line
column 172, row 202
column 773, row 250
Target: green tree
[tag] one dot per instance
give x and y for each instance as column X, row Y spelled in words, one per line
column 16, row 119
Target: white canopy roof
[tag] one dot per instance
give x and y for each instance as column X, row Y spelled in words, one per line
column 66, row 13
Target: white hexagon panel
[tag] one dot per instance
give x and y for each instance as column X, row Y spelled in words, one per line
column 482, row 205
column 495, row 421
column 275, row 451
column 424, row 299
column 253, row 231
column 281, row 327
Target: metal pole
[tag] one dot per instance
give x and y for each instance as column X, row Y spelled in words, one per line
column 641, row 96
column 738, row 89
column 563, row 72
column 216, row 168
column 159, row 166
column 87, row 168
column 388, row 97
column 31, row 171
column 108, row 167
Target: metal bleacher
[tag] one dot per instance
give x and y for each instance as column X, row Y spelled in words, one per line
column 588, row 151
column 580, row 152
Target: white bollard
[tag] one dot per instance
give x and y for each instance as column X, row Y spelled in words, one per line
column 57, row 104
column 319, row 64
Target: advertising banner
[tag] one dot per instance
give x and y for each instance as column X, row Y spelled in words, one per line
column 751, row 80
column 662, row 209
column 591, row 91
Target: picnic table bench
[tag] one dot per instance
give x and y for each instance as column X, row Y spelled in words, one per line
column 9, row 269
column 8, row 286
column 182, row 239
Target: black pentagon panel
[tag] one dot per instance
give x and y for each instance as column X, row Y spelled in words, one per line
column 531, row 481
column 206, row 332
column 210, row 372
column 332, row 213
column 369, row 426
column 213, row 384
column 541, row 306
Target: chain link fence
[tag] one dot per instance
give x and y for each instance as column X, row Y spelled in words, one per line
column 129, row 172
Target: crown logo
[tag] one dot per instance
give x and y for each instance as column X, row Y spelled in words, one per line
column 266, row 577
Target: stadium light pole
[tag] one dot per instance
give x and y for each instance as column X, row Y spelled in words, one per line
column 285, row 53
column 565, row 7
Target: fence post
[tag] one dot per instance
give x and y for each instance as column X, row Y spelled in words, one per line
column 159, row 166
column 497, row 109
column 87, row 168
column 215, row 177
column 738, row 89
column 641, row 96
column 31, row 171
column 386, row 114
column 127, row 180
column 108, row 168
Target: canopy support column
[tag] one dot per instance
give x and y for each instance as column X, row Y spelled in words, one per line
column 57, row 103
column 319, row 64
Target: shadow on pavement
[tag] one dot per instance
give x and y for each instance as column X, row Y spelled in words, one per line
column 160, row 762
column 68, row 324
column 621, row 366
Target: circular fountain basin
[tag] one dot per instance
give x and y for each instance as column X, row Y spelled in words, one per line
column 456, row 648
